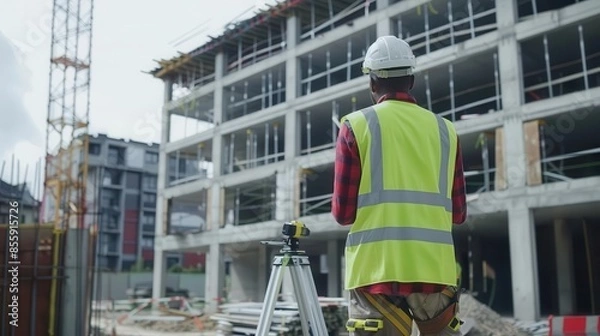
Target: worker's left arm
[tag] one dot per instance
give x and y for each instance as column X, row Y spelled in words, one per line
column 459, row 192
column 347, row 170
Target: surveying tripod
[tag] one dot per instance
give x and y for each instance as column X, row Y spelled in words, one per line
column 311, row 316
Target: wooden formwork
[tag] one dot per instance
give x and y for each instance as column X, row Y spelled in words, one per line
column 32, row 276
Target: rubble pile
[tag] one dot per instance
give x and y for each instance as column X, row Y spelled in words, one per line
column 486, row 321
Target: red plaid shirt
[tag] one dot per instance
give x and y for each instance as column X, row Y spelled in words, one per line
column 345, row 194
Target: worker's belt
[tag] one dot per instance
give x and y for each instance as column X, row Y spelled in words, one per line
column 447, row 318
column 392, row 311
column 365, row 324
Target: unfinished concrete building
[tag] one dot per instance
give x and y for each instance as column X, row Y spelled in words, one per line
column 520, row 79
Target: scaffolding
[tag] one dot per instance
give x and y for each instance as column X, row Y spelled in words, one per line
column 329, row 65
column 442, row 23
column 256, row 93
column 260, row 146
column 560, row 62
column 250, row 203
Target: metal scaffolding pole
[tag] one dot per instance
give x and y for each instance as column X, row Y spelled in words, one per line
column 349, row 60
column 269, row 41
column 312, row 19
column 353, row 101
column 270, row 88
column 254, row 149
column 248, row 147
column 497, row 81
column 239, row 54
column 267, row 159
column 399, row 26
column 276, row 141
column 263, row 90
column 471, row 21
column 534, row 6
column 308, row 137
column 254, row 49
column 544, row 154
column 328, row 67
column 231, row 152
column 426, row 19
column 428, row 92
column 486, row 162
column 583, row 59
column 334, row 116
column 451, row 85
column 304, row 193
column 330, row 13
column 451, row 22
column 548, row 73
column 177, row 165
column 279, row 86
column 236, row 221
column 309, row 71
column 245, row 97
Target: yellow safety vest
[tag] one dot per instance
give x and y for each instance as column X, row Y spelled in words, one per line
column 403, row 226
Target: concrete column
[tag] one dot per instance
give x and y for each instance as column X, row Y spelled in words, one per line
column 283, row 195
column 511, row 86
column 384, row 25
column 564, row 267
column 160, row 269
column 168, row 95
column 216, row 207
column 334, row 268
column 159, row 272
column 218, row 94
column 215, row 277
column 523, row 260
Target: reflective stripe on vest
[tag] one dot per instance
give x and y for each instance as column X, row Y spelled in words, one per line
column 378, row 195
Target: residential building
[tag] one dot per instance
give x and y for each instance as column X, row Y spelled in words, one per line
column 122, row 185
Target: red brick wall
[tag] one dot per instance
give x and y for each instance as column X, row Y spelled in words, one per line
column 192, row 259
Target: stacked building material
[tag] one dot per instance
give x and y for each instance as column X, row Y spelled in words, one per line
column 243, row 318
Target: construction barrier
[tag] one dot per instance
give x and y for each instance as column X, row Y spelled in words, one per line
column 574, row 325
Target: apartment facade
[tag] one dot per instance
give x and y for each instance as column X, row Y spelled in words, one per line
column 122, row 185
column 258, row 106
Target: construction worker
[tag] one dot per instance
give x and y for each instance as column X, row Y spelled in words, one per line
column 399, row 182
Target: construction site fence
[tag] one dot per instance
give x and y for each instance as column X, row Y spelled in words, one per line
column 113, row 286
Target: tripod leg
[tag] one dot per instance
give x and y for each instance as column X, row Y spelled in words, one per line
column 266, row 315
column 306, row 316
column 310, row 292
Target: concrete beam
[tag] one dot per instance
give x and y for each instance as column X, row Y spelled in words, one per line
column 546, row 195
column 159, row 273
column 189, row 141
column 551, row 20
column 195, row 94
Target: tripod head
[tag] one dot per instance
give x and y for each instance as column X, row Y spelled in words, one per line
column 292, row 232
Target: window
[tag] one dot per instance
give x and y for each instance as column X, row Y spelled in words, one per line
column 151, row 157
column 110, row 221
column 147, row 242
column 133, row 180
column 150, row 182
column 148, row 221
column 94, row 149
column 112, row 177
column 116, row 155
column 110, row 198
column 149, row 200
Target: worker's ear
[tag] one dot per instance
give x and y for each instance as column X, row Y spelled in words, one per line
column 373, row 86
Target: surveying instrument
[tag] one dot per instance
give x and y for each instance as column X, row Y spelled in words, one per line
column 311, row 315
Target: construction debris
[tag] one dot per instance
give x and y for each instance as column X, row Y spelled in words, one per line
column 486, row 321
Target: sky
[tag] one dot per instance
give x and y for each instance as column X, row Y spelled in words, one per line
column 128, row 36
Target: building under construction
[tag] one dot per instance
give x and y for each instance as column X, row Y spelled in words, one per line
column 259, row 105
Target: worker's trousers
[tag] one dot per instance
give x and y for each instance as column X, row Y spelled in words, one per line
column 396, row 322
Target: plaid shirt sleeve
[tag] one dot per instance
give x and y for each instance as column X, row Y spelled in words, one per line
column 347, row 177
column 459, row 193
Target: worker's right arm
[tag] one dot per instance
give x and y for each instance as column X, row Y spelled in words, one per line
column 459, row 192
column 347, row 171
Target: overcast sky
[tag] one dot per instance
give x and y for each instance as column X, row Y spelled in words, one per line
column 128, row 36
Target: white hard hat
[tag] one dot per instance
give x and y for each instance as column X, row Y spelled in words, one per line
column 389, row 52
